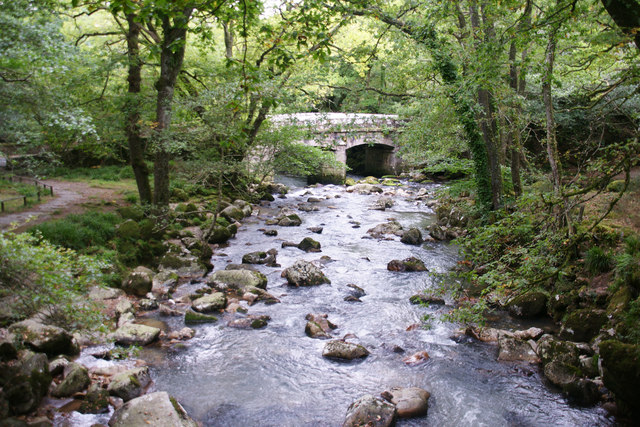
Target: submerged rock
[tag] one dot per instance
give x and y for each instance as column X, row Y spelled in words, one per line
column 304, row 273
column 391, row 227
column 370, row 411
column 410, row 402
column 154, row 409
column 408, row 264
column 193, row 318
column 416, row 359
column 513, row 349
column 338, row 349
column 252, row 321
column 364, row 189
column 268, row 258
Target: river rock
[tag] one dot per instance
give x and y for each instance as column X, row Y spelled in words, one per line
column 184, row 265
column 380, row 230
column 408, row 264
column 57, row 365
column 209, row 303
column 193, row 318
column 182, row 335
column 291, row 220
column 165, row 282
column 268, row 258
column 96, row 401
column 370, row 411
column 23, row 383
column 154, row 409
column 307, row 207
column 437, row 232
column 317, row 230
column 238, row 280
column 412, row 236
column 130, row 384
column 583, row 324
column 339, row 349
column 484, row 334
column 76, row 378
column 318, row 326
column 138, row 282
column 101, row 293
column 252, row 321
column 253, row 295
column 559, row 373
column 382, row 204
column 147, row 304
column 219, row 234
column 529, row 334
column 364, row 189
column 304, row 273
column 530, row 304
column 513, row 349
column 270, row 232
column 410, row 402
column 416, row 359
column 356, row 291
column 133, row 334
column 621, row 372
column 309, row 245
column 49, row 339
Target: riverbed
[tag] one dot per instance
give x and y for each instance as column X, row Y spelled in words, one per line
column 276, row 376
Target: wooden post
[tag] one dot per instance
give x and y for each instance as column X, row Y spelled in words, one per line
column 38, row 195
column 2, row 204
column 25, row 200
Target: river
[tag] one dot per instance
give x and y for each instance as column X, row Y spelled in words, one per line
column 276, row 376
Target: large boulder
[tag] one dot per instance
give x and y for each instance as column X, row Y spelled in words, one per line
column 621, row 373
column 138, row 282
column 412, row 236
column 209, row 303
column 551, row 348
column 96, row 400
column 382, row 203
column 370, row 411
column 292, row 220
column 130, row 384
column 193, row 318
column 238, row 280
column 154, row 409
column 304, row 273
column 76, row 378
column 530, row 304
column 407, row 264
column 410, row 402
column 183, row 264
column 24, row 382
column 338, row 349
column 268, row 258
column 133, row 334
column 583, row 324
column 44, row 338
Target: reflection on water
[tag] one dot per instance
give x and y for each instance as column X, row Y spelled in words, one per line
column 276, row 376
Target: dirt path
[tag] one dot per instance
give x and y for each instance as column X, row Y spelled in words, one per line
column 69, row 197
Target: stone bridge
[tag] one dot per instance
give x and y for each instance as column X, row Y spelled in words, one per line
column 366, row 143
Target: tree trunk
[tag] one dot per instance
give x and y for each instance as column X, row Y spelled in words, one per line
column 171, row 58
column 228, row 38
column 552, row 144
column 513, row 135
column 134, row 138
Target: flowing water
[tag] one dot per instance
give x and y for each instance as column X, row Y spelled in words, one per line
column 276, row 376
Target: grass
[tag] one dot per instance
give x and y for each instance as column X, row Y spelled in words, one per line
column 112, row 173
column 10, row 190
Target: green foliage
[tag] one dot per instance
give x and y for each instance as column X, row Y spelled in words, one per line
column 36, row 276
column 632, row 244
column 103, row 173
column 596, row 260
column 631, row 323
column 79, row 231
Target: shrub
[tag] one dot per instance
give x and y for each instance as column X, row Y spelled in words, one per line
column 597, row 260
column 632, row 244
column 36, row 276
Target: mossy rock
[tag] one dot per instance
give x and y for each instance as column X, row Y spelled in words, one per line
column 619, row 301
column 621, row 373
column 220, row 235
column 349, row 182
column 583, row 324
column 616, row 186
column 530, row 304
column 369, row 180
column 194, row 318
column 309, row 245
column 560, row 303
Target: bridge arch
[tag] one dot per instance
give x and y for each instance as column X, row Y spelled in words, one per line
column 367, row 143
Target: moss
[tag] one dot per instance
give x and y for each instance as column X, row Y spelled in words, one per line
column 583, row 324
column 616, row 186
